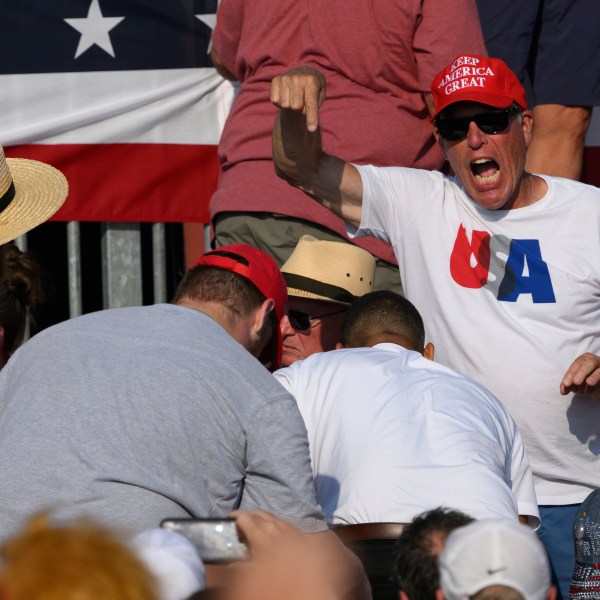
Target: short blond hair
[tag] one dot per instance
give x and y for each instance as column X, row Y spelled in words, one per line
column 79, row 561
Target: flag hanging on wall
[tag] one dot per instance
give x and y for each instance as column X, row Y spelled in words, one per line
column 121, row 96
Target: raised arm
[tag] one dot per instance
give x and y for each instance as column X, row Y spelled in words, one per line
column 297, row 149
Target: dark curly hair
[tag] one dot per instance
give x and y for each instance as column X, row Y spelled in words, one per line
column 417, row 572
column 21, row 291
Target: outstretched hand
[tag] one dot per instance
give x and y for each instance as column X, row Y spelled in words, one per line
column 302, row 90
column 583, row 376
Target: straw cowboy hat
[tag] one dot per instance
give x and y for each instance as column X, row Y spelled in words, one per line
column 331, row 271
column 30, row 193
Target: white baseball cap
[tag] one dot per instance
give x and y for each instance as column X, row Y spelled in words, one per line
column 494, row 552
column 173, row 560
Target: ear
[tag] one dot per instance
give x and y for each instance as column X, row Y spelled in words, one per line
column 262, row 317
column 428, row 351
column 439, row 594
column 552, row 592
column 527, row 125
column 440, row 142
column 402, row 595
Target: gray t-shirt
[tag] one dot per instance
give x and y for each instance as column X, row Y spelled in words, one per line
column 133, row 415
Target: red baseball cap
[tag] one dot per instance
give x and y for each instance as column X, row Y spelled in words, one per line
column 472, row 78
column 260, row 269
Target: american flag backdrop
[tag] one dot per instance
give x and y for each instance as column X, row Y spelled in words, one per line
column 122, row 97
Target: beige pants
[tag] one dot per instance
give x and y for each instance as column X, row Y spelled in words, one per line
column 278, row 235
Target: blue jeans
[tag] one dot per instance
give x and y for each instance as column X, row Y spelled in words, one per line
column 556, row 533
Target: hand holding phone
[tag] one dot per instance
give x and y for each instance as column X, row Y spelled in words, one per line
column 215, row 539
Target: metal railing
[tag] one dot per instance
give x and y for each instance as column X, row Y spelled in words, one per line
column 125, row 269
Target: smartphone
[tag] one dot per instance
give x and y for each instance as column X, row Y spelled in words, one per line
column 215, row 539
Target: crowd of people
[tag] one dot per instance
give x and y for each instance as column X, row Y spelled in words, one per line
column 289, row 385
column 488, row 257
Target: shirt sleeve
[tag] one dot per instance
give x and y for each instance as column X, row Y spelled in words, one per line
column 284, row 377
column 522, row 480
column 279, row 477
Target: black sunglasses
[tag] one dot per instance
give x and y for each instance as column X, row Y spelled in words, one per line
column 301, row 321
column 490, row 122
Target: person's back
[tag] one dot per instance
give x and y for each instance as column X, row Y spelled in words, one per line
column 137, row 434
column 133, row 415
column 378, row 84
column 393, row 434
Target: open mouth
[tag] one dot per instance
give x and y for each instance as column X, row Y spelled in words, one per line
column 485, row 170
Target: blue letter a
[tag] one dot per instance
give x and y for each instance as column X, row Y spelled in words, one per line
column 515, row 282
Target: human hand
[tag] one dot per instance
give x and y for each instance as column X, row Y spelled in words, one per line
column 263, row 532
column 583, row 376
column 280, row 565
column 286, row 563
column 301, row 90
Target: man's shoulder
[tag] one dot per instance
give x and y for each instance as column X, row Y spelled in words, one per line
column 153, row 331
column 414, row 189
column 572, row 184
column 333, row 360
column 453, row 389
column 407, row 173
column 566, row 190
column 465, row 399
column 121, row 319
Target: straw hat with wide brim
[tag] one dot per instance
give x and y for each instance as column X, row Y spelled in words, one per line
column 30, row 193
column 332, row 271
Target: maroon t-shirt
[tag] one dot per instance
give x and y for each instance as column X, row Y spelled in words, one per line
column 378, row 57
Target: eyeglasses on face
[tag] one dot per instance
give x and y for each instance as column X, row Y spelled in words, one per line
column 491, row 122
column 301, row 321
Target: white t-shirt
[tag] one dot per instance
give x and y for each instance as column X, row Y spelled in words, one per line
column 509, row 298
column 392, row 434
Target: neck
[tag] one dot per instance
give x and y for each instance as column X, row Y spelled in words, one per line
column 215, row 310
column 239, row 327
column 387, row 337
column 531, row 189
